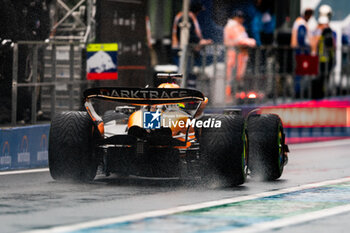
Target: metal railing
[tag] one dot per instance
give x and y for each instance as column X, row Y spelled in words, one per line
column 46, row 77
column 274, row 74
column 49, row 77
column 78, row 23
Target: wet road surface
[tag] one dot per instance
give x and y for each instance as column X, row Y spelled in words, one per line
column 34, row 201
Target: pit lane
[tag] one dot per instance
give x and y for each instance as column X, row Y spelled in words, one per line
column 33, row 201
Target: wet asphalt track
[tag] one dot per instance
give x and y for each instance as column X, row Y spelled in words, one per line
column 34, row 201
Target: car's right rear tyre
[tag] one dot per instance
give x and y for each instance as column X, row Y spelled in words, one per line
column 71, row 147
column 224, row 149
column 266, row 146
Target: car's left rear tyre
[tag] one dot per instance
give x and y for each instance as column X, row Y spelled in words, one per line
column 71, row 147
column 224, row 149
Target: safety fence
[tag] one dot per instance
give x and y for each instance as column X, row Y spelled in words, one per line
column 267, row 74
column 47, row 78
column 50, row 77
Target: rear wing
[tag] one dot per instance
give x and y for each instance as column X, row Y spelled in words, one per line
column 145, row 96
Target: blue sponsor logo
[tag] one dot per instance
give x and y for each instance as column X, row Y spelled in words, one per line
column 151, row 120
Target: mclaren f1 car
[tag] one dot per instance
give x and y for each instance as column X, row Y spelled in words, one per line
column 163, row 132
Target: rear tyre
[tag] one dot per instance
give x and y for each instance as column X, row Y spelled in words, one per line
column 223, row 149
column 71, row 147
column 266, row 146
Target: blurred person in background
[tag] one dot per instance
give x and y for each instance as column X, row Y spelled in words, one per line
column 324, row 17
column 301, row 41
column 262, row 27
column 237, row 41
column 324, row 46
column 264, row 23
column 301, row 36
column 195, row 39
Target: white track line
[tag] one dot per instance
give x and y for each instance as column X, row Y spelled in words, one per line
column 23, row 171
column 170, row 211
column 284, row 222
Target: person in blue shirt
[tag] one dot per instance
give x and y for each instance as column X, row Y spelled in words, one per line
column 301, row 36
column 301, row 42
column 263, row 23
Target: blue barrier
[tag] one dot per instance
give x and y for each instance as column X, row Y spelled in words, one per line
column 24, row 147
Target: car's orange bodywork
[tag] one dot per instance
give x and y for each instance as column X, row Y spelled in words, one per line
column 177, row 129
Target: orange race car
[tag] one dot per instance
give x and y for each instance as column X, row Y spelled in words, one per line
column 162, row 132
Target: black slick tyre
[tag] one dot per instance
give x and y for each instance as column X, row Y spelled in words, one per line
column 223, row 149
column 266, row 145
column 71, row 147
